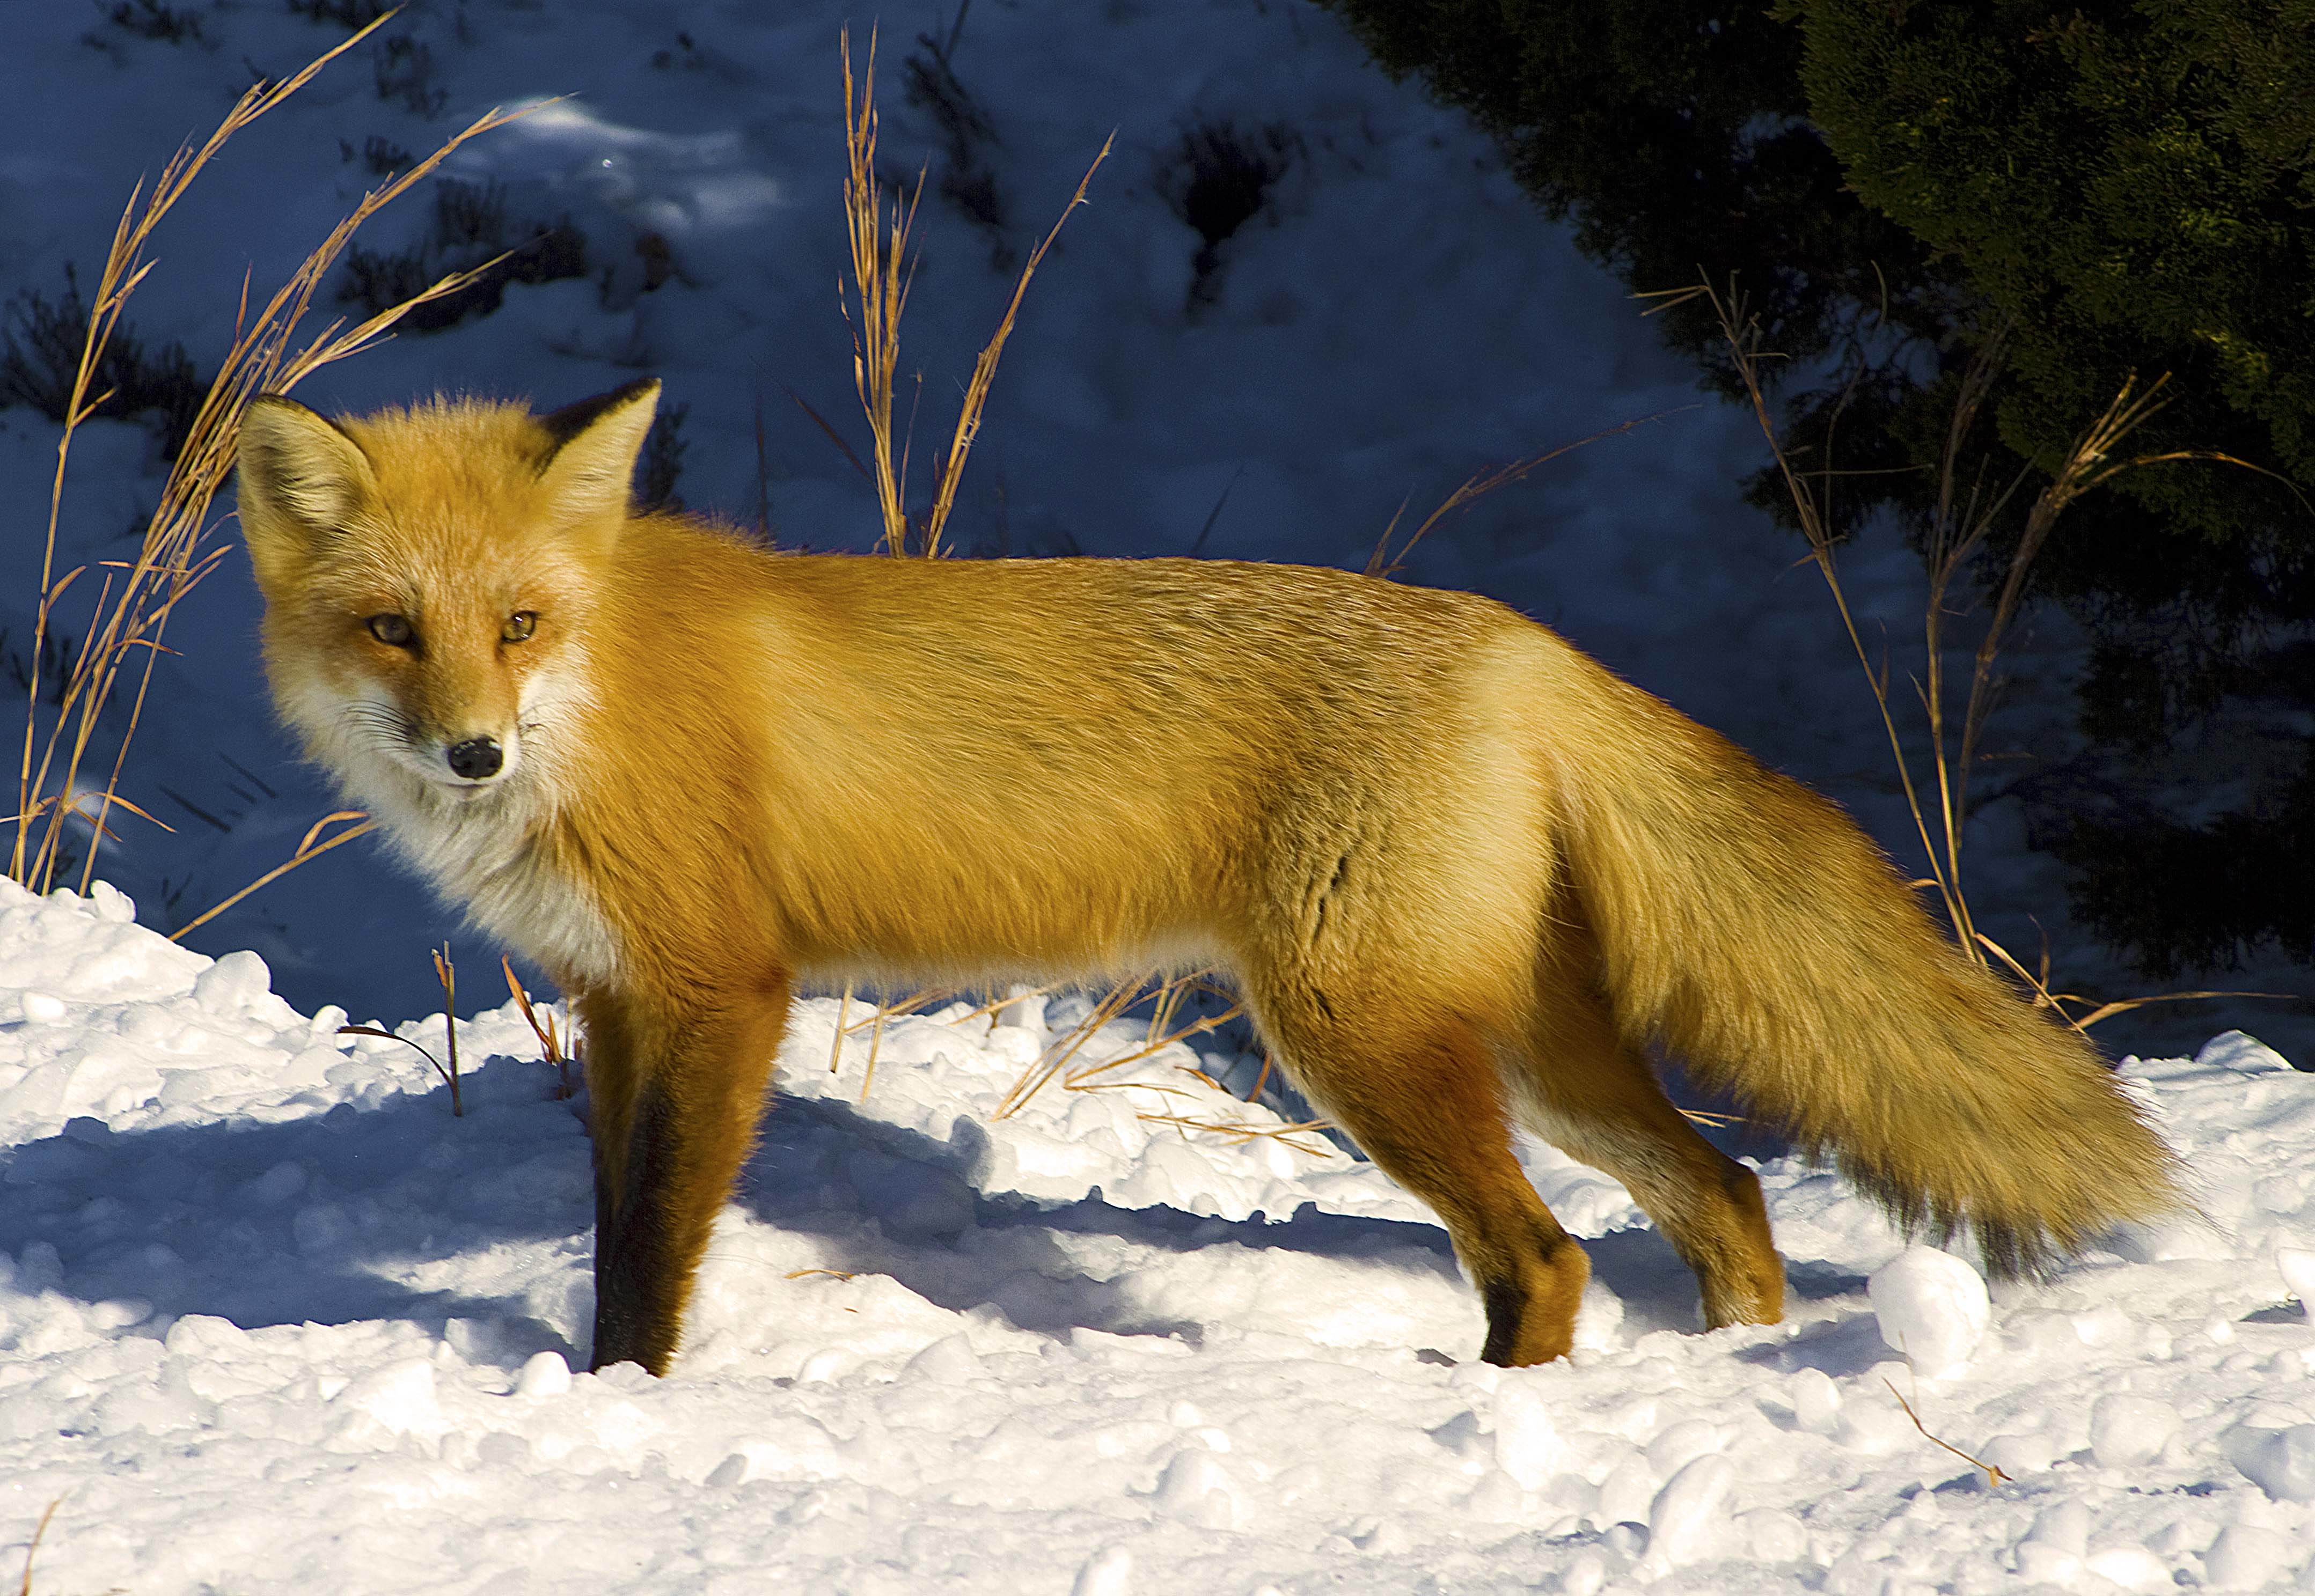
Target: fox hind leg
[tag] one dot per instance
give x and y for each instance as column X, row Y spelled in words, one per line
column 1425, row 1102
column 1589, row 1093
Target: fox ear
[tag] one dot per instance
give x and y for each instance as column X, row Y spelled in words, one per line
column 301, row 478
column 592, row 470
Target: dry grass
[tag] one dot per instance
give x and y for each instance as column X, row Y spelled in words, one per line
column 447, row 974
column 308, row 849
column 883, row 270
column 123, row 637
column 40, row 1532
column 1168, row 999
column 1966, row 511
column 880, row 228
column 1387, row 561
column 1993, row 1475
column 550, row 1036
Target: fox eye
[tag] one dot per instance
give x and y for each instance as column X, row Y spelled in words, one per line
column 391, row 629
column 519, row 626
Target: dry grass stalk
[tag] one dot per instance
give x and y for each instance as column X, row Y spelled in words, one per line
column 1993, row 1475
column 836, row 1042
column 1236, row 1129
column 875, row 1046
column 1959, row 525
column 138, row 597
column 1166, row 995
column 447, row 974
column 994, row 1005
column 306, row 849
column 39, row 1531
column 881, row 273
column 902, row 1008
column 1239, row 1130
column 1056, row 1057
column 1385, row 563
column 550, row 1039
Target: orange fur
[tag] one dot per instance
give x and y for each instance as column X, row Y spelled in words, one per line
column 1462, row 874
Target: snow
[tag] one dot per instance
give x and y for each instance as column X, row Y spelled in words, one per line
column 1932, row 1307
column 272, row 1320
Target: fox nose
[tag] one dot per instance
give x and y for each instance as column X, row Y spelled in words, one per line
column 477, row 758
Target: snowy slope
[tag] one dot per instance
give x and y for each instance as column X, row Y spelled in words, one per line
column 1396, row 317
column 272, row 1321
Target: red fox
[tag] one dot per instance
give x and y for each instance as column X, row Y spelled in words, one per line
column 1463, row 876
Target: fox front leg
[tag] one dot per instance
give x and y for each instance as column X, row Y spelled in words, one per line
column 675, row 1102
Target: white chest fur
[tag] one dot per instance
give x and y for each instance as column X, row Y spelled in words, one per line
column 482, row 854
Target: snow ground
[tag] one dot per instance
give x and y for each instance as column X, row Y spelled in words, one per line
column 272, row 1320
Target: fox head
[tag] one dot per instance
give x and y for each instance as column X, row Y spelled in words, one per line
column 427, row 576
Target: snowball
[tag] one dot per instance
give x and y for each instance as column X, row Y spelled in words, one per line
column 1628, row 1491
column 398, row 1398
column 2134, row 1568
column 1584, row 1574
column 2065, row 1525
column 948, row 1361
column 1025, row 1012
column 2128, row 1430
column 1109, row 1572
column 233, row 984
column 1527, row 1442
column 2019, row 1456
column 1682, row 1443
column 1932, row 1307
column 1684, row 1521
column 1816, row 1401
column 2244, row 1558
column 2281, row 1462
column 1774, row 1535
column 2247, row 1055
column 1197, row 1490
column 543, row 1374
column 2299, row 1274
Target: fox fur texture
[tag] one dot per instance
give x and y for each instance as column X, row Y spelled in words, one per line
column 1464, row 877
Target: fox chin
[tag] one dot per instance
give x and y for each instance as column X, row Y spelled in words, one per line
column 1463, row 876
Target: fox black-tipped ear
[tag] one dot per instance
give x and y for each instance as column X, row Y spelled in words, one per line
column 301, row 477
column 593, row 467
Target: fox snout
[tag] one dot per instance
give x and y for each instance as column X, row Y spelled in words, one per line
column 478, row 758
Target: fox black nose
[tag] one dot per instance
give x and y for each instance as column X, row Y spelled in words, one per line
column 477, row 758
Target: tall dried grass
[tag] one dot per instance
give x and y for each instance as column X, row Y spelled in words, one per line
column 1966, row 511
column 123, row 637
column 882, row 269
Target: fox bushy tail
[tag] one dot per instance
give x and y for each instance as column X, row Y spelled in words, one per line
column 1750, row 926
